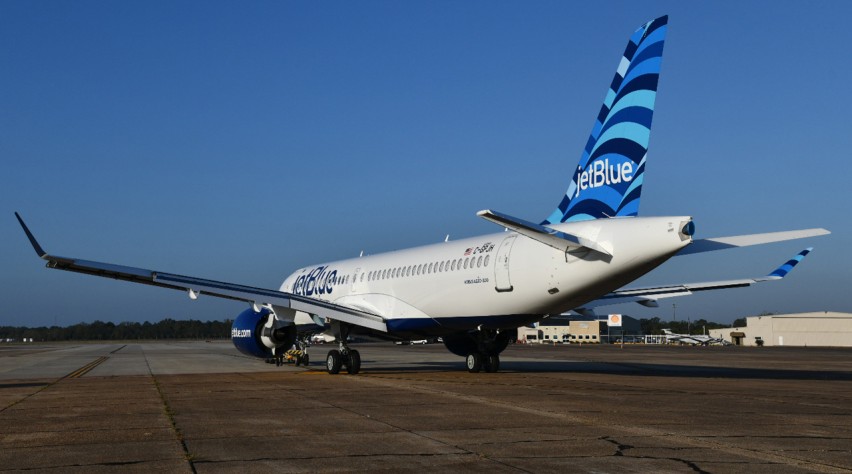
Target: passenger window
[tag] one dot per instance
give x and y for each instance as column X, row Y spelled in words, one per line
column 441, row 267
column 419, row 269
column 362, row 278
column 486, row 260
column 429, row 268
column 465, row 263
column 479, row 261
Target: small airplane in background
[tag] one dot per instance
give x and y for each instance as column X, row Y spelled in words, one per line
column 474, row 293
column 693, row 339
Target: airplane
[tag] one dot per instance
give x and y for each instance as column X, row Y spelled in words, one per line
column 694, row 339
column 474, row 293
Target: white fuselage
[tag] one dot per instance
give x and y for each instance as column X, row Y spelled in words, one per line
column 498, row 280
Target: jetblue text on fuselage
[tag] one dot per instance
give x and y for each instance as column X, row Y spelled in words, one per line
column 318, row 282
column 601, row 173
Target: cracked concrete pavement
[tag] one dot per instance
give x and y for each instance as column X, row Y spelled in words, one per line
column 201, row 407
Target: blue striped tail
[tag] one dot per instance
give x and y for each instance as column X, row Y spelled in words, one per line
column 608, row 179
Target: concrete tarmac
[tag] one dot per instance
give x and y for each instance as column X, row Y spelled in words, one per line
column 203, row 407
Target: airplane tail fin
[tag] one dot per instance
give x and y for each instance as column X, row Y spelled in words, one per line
column 667, row 332
column 608, row 179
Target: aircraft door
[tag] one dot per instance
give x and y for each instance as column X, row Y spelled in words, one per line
column 358, row 284
column 501, row 265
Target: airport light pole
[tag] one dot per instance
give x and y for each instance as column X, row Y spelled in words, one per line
column 674, row 311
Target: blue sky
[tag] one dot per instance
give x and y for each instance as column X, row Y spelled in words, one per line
column 240, row 142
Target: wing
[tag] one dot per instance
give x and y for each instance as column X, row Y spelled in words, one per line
column 257, row 297
column 649, row 296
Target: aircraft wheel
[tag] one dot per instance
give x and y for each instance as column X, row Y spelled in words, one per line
column 334, row 361
column 353, row 365
column 492, row 363
column 474, row 362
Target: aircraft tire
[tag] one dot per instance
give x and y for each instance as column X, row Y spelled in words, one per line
column 353, row 365
column 333, row 362
column 492, row 363
column 474, row 362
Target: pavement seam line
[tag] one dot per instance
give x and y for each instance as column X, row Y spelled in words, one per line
column 75, row 374
column 167, row 410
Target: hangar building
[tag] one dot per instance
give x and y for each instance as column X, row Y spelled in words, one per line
column 803, row 329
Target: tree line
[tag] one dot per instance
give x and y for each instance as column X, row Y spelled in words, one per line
column 193, row 329
column 100, row 331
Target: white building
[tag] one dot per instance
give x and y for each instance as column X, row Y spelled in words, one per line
column 803, row 329
column 574, row 328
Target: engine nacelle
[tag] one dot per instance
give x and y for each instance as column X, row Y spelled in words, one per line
column 257, row 334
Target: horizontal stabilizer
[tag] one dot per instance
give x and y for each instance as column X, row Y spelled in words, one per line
column 722, row 243
column 546, row 235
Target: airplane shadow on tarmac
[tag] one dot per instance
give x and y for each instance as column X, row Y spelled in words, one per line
column 631, row 369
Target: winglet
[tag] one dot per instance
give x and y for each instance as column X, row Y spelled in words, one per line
column 40, row 251
column 783, row 270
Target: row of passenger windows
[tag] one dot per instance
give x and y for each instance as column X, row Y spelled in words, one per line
column 425, row 269
column 422, row 269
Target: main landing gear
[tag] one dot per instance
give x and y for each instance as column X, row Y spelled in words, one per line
column 478, row 361
column 344, row 356
column 337, row 359
column 480, row 348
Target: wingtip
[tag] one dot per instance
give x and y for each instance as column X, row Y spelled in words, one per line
column 788, row 266
column 39, row 251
